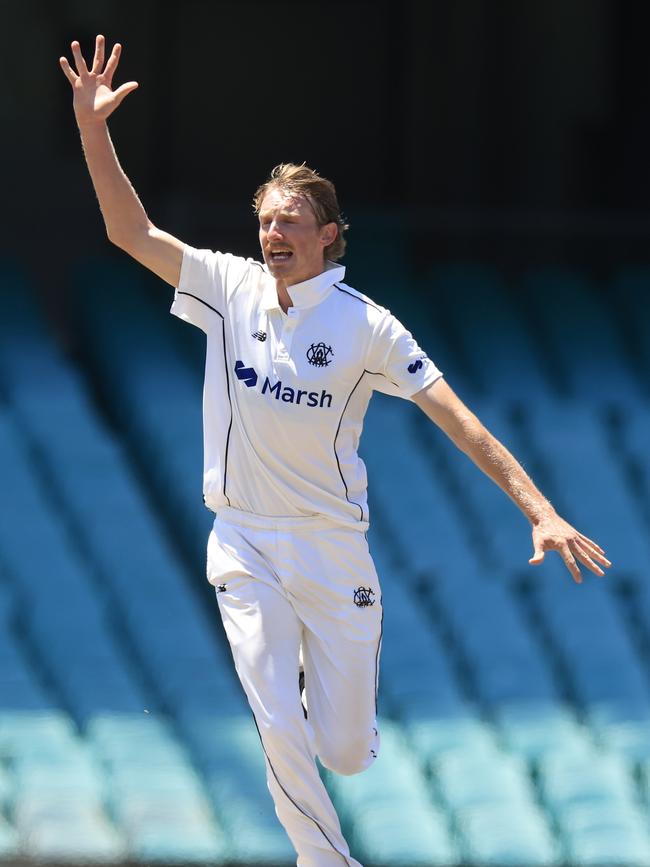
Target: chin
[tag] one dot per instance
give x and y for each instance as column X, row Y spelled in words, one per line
column 281, row 269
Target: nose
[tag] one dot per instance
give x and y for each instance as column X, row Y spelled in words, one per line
column 273, row 230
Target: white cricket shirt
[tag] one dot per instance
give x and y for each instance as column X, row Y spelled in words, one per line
column 285, row 394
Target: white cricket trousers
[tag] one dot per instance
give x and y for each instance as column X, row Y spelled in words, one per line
column 306, row 585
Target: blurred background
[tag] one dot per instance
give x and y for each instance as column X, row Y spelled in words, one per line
column 491, row 158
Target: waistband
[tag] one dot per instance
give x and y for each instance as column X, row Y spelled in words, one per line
column 293, row 523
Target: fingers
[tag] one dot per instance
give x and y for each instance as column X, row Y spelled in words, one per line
column 67, row 69
column 537, row 557
column 98, row 59
column 124, row 90
column 590, row 542
column 570, row 562
column 111, row 64
column 586, row 559
column 592, row 551
column 80, row 63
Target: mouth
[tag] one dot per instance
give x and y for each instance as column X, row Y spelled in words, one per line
column 280, row 255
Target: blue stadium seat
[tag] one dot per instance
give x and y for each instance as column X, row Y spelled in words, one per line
column 415, row 838
column 6, row 788
column 635, row 435
column 416, row 675
column 596, row 649
column 582, row 337
column 179, row 845
column 631, row 288
column 141, row 740
column 493, row 802
column 540, row 729
column 229, row 754
column 45, row 734
column 62, row 601
column 394, row 788
column 151, row 387
column 410, row 498
column 494, row 338
column 9, row 840
column 507, row 666
column 507, row 835
column 141, row 574
column 74, row 841
column 439, row 735
column 496, row 525
column 20, row 686
column 586, row 484
column 594, row 801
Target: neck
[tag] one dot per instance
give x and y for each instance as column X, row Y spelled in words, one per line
column 283, row 296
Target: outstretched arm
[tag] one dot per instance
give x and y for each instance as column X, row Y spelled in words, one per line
column 550, row 531
column 127, row 224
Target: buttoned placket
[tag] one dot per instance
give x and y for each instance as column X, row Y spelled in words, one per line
column 289, row 322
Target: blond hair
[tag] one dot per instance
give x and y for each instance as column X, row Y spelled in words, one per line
column 319, row 192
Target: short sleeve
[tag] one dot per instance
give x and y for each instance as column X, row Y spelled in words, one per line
column 395, row 354
column 207, row 279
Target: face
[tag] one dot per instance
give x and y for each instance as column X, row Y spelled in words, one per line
column 292, row 242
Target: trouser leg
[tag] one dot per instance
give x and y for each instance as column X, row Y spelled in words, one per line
column 265, row 634
column 336, row 595
column 340, row 679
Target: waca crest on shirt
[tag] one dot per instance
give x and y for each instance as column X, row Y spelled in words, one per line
column 319, row 354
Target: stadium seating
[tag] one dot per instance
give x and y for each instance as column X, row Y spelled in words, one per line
column 581, row 337
column 630, row 287
column 112, row 583
column 586, row 483
column 472, row 301
column 593, row 800
column 152, row 388
column 395, row 819
column 515, row 706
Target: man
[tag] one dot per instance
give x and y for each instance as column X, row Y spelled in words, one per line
column 293, row 355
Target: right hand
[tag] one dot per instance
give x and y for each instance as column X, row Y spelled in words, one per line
column 94, row 100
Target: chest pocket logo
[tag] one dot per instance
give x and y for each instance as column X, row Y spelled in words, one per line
column 319, row 355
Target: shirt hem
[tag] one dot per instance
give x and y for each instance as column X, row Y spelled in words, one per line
column 238, row 517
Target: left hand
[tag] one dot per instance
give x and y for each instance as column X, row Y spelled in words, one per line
column 553, row 533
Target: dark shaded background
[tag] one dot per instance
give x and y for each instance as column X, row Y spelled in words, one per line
column 482, row 129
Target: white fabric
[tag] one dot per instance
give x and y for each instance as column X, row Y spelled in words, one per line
column 317, row 588
column 281, row 438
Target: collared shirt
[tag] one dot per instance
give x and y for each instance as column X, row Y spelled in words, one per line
column 285, row 394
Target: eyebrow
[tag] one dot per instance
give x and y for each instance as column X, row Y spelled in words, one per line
column 265, row 215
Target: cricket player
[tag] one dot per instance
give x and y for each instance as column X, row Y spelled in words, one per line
column 293, row 356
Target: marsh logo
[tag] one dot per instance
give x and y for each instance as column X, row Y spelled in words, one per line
column 319, row 355
column 285, row 393
column 418, row 364
column 248, row 375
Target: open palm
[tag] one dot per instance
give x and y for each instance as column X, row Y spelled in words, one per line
column 94, row 98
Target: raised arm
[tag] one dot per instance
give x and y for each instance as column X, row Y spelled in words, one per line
column 550, row 531
column 127, row 224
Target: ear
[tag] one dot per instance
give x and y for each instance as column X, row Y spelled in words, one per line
column 328, row 233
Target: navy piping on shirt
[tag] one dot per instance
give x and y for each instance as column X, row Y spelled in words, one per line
column 225, row 364
column 358, row 297
column 338, row 430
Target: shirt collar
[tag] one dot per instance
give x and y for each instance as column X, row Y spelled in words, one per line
column 305, row 294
